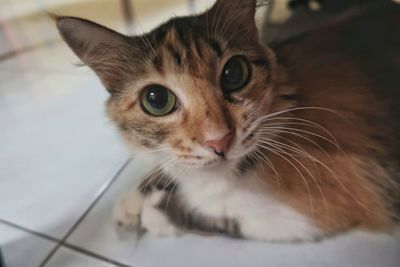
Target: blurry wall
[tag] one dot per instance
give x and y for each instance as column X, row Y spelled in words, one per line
column 24, row 24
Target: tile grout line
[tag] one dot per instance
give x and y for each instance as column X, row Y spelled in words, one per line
column 94, row 255
column 67, row 245
column 30, row 231
column 62, row 242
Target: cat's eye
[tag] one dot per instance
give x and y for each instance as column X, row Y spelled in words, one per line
column 157, row 100
column 235, row 75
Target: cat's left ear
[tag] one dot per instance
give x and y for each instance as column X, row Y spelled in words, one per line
column 100, row 48
column 234, row 18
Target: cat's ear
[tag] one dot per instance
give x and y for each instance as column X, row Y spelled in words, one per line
column 235, row 17
column 100, row 48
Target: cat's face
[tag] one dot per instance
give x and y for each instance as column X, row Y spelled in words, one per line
column 192, row 90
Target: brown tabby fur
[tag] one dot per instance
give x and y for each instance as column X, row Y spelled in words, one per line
column 329, row 67
column 350, row 176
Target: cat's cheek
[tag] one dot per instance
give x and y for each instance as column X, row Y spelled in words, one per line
column 266, row 102
column 240, row 116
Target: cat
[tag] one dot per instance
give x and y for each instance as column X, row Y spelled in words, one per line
column 294, row 142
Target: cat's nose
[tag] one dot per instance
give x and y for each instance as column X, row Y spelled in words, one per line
column 220, row 145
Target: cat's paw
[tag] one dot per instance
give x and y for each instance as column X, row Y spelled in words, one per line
column 128, row 210
column 154, row 220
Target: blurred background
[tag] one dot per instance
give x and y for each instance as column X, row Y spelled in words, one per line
column 62, row 165
column 25, row 25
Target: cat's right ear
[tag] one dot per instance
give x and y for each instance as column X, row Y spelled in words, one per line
column 100, row 48
column 234, row 18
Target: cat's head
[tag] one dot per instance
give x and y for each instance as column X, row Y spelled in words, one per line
column 194, row 89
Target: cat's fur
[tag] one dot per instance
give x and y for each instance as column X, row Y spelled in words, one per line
column 315, row 149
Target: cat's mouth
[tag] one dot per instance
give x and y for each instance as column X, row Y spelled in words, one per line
column 240, row 148
column 204, row 162
column 216, row 162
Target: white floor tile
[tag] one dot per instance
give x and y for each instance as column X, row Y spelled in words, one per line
column 22, row 249
column 99, row 226
column 98, row 234
column 6, row 76
column 68, row 258
column 58, row 150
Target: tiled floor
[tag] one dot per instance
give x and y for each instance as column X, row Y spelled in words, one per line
column 62, row 167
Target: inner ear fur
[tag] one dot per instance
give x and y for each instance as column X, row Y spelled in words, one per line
column 106, row 51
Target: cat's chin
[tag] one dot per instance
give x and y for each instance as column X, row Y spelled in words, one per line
column 216, row 163
column 212, row 164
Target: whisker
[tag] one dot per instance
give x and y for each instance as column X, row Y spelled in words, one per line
column 254, row 156
column 266, row 160
column 290, row 129
column 173, row 188
column 157, row 150
column 153, row 174
column 297, row 169
column 340, row 182
column 301, row 152
column 279, row 145
column 306, row 121
column 305, row 138
column 299, row 109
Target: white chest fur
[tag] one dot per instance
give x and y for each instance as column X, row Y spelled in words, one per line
column 260, row 213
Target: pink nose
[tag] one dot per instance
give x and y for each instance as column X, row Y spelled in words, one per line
column 220, row 146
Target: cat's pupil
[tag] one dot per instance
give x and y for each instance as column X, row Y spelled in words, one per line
column 156, row 100
column 234, row 73
column 157, row 97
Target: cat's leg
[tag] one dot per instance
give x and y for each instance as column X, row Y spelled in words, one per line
column 164, row 213
column 156, row 206
column 138, row 209
column 155, row 220
column 189, row 220
column 128, row 209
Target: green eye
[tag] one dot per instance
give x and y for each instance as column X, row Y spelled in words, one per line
column 236, row 74
column 157, row 100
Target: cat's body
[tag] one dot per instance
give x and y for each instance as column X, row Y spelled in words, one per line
column 244, row 201
column 306, row 147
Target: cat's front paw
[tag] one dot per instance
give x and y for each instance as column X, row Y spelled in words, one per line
column 154, row 220
column 128, row 210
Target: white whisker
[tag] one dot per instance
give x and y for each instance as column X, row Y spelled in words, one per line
column 279, row 145
column 317, row 125
column 297, row 169
column 154, row 173
column 157, row 150
column 300, row 109
column 290, row 130
column 266, row 160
